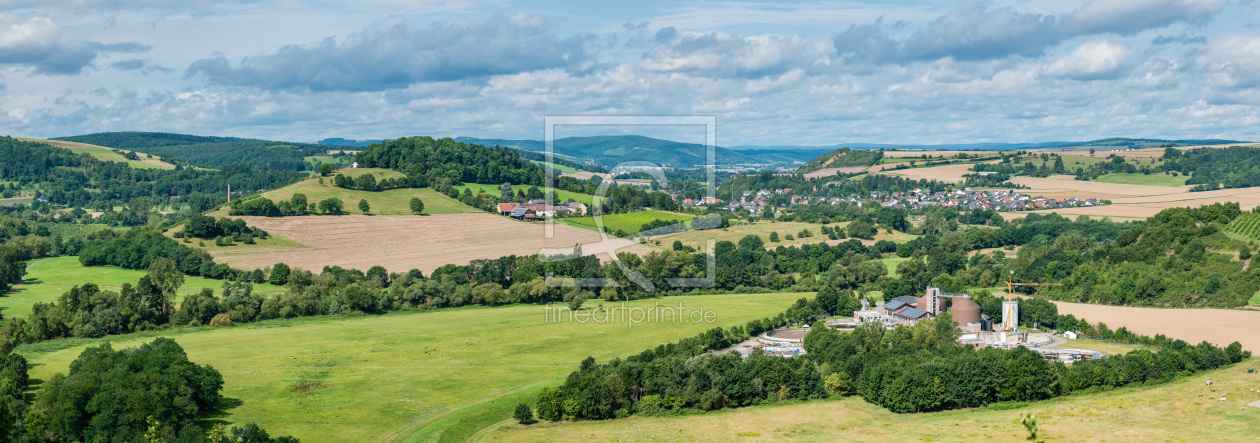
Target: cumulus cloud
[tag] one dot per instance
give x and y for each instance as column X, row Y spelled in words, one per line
column 396, row 53
column 37, row 42
column 981, row 31
column 1133, row 16
column 723, row 54
column 1092, row 61
column 977, row 32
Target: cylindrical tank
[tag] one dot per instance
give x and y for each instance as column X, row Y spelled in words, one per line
column 965, row 311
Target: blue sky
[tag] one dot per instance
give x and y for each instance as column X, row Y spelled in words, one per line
column 810, row 73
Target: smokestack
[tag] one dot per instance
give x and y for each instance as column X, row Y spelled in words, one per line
column 229, row 192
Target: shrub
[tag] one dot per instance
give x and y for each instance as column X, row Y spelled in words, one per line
column 221, row 320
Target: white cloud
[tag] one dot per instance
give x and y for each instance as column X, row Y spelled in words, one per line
column 1093, row 60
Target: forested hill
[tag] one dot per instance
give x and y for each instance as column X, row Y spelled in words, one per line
column 442, row 162
column 79, row 180
column 213, row 152
column 841, row 158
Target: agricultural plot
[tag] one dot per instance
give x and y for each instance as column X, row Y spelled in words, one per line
column 630, row 223
column 1142, row 179
column 563, row 195
column 698, row 239
column 401, row 243
column 1170, row 412
column 49, row 278
column 389, row 202
column 1247, row 225
column 1217, row 326
column 557, row 167
column 415, row 376
column 106, row 154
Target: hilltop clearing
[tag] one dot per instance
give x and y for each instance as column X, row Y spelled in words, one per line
column 102, row 153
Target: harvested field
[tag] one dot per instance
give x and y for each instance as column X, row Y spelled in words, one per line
column 1218, row 326
column 1143, row 206
column 935, row 154
column 400, row 243
column 584, row 175
column 947, row 173
column 827, row 172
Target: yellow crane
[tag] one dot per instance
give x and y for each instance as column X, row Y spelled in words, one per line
column 1010, row 308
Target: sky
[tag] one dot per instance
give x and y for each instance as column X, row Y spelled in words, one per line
column 771, row 73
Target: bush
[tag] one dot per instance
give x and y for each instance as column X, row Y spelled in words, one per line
column 221, row 320
column 524, row 415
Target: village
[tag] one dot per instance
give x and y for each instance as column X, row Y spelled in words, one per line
column 967, row 198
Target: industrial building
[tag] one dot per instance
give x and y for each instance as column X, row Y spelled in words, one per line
column 907, row 310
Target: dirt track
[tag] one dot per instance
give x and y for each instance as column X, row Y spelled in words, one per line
column 400, row 243
column 1218, row 326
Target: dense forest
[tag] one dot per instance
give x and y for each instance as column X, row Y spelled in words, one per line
column 1208, row 168
column 78, row 180
column 212, row 152
column 840, row 158
column 434, row 162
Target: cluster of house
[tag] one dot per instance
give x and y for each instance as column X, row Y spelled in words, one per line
column 966, row 198
column 539, row 209
column 975, row 199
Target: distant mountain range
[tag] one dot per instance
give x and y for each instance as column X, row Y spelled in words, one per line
column 348, row 142
column 610, row 150
column 1113, row 142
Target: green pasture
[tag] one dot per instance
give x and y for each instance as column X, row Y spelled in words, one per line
column 390, row 202
column 563, row 195
column 415, row 376
column 629, row 222
column 51, row 277
column 1142, row 179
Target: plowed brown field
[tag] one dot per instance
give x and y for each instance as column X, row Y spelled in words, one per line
column 400, row 243
column 1218, row 326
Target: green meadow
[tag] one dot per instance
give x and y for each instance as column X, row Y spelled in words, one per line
column 564, row 196
column 389, row 202
column 1142, row 179
column 629, row 222
column 51, row 277
column 416, row 376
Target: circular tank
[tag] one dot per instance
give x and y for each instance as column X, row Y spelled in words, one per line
column 965, row 311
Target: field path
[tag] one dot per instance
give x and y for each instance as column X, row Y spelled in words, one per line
column 1217, row 326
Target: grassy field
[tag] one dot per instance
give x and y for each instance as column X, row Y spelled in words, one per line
column 1142, row 179
column 628, row 222
column 391, row 202
column 16, row 201
column 735, row 232
column 271, row 242
column 1255, row 299
column 891, row 264
column 494, row 190
column 1172, row 412
column 562, row 169
column 49, row 278
column 418, row 376
column 106, row 154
